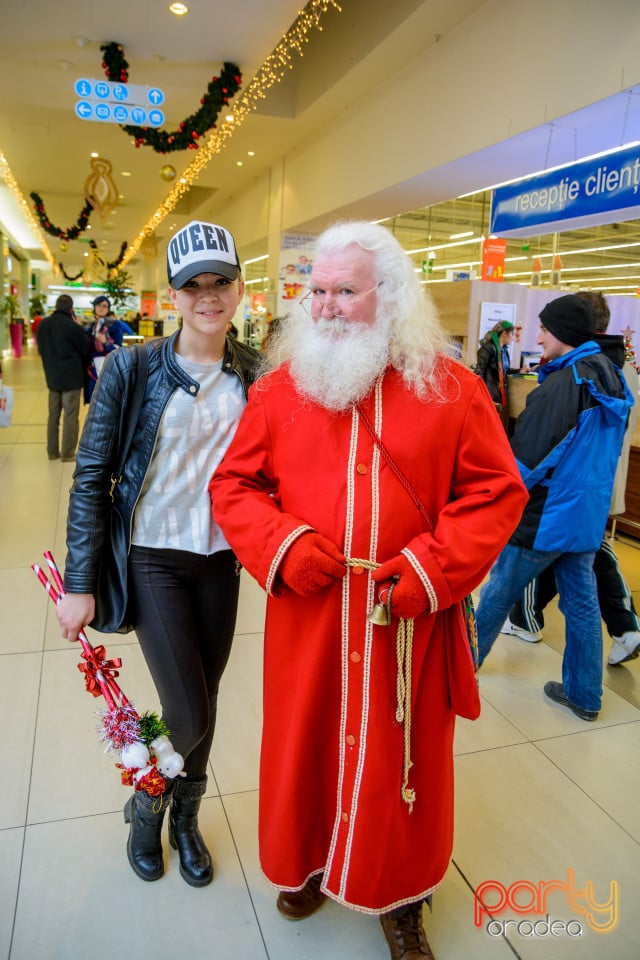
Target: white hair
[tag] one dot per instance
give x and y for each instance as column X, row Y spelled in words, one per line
column 403, row 307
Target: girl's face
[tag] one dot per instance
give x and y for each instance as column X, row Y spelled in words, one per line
column 207, row 303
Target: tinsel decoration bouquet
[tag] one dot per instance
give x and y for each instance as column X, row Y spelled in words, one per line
column 145, row 754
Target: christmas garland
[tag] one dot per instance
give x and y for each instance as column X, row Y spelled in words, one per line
column 218, row 93
column 71, row 233
column 68, row 276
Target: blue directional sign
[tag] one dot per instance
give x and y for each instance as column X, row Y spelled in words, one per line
column 84, row 110
column 105, row 101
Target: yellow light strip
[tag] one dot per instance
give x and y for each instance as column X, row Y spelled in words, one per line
column 272, row 71
column 10, row 180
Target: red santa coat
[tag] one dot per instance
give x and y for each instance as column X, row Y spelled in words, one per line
column 332, row 750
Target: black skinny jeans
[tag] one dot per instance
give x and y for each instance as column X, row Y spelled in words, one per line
column 185, row 614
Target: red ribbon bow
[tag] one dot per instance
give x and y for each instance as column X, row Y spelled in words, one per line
column 96, row 662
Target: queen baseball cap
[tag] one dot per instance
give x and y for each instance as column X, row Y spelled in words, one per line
column 201, row 248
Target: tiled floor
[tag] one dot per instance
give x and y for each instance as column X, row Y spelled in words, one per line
column 539, row 793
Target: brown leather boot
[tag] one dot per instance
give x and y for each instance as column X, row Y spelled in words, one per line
column 300, row 904
column 405, row 934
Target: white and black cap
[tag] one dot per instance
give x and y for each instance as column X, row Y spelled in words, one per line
column 201, row 248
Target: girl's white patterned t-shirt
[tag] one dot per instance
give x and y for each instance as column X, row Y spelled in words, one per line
column 174, row 508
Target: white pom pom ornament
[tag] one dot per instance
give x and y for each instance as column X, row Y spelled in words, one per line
column 135, row 755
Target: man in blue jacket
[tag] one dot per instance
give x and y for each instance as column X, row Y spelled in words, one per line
column 567, row 442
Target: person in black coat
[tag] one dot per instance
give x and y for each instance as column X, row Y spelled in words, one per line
column 65, row 350
column 492, row 365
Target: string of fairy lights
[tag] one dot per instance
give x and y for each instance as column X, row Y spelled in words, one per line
column 7, row 177
column 272, row 71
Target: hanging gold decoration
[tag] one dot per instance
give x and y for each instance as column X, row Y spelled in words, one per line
column 95, row 268
column 149, row 247
column 167, row 172
column 100, row 189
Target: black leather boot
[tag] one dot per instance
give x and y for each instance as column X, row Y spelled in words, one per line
column 144, row 846
column 184, row 836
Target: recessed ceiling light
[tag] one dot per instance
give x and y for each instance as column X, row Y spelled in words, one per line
column 239, row 163
column 80, row 41
column 251, row 153
column 125, row 173
column 94, row 154
column 179, row 9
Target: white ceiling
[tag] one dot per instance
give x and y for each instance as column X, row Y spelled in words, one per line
column 44, row 48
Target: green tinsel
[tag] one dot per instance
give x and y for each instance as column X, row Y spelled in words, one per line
column 152, row 727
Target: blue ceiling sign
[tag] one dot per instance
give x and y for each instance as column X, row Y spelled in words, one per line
column 118, row 102
column 601, row 190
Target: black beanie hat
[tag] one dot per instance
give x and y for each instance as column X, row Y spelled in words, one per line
column 570, row 318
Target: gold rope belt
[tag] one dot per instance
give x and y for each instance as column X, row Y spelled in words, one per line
column 404, row 649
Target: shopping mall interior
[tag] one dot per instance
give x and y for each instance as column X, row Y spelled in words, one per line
column 412, row 114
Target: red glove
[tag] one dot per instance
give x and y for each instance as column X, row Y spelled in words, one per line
column 409, row 597
column 311, row 563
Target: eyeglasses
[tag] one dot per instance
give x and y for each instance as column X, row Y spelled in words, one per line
column 343, row 304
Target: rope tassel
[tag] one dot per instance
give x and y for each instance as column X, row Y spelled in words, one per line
column 404, row 655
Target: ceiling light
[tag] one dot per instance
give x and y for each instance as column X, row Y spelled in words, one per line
column 125, row 173
column 458, row 236
column 80, row 41
column 229, row 118
column 239, row 163
column 265, row 256
column 179, row 9
column 251, row 153
column 94, row 154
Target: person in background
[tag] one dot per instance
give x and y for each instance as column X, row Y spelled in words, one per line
column 493, row 364
column 526, row 617
column 65, row 351
column 567, row 442
column 118, row 329
column 183, row 578
column 324, row 496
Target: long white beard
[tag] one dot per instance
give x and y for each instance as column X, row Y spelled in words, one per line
column 336, row 362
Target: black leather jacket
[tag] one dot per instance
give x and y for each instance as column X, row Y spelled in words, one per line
column 89, row 502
